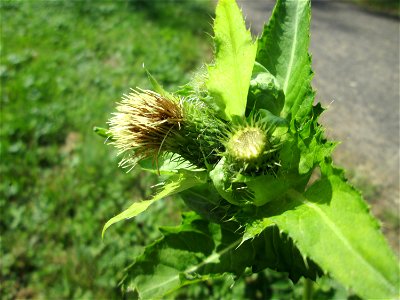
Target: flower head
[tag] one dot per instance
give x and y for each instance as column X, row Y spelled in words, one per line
column 251, row 146
column 142, row 123
column 148, row 124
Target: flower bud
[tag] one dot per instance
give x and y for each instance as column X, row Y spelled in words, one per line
column 251, row 147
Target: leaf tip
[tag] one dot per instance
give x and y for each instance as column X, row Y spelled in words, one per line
column 103, row 232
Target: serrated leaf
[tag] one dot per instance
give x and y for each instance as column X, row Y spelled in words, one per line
column 176, row 183
column 331, row 224
column 275, row 250
column 312, row 144
column 283, row 50
column 199, row 250
column 186, row 254
column 229, row 77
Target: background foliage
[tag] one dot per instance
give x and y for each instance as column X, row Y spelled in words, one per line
column 63, row 66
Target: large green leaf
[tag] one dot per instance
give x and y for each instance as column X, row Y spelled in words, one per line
column 310, row 140
column 229, row 77
column 198, row 250
column 331, row 223
column 195, row 251
column 283, row 51
column 181, row 181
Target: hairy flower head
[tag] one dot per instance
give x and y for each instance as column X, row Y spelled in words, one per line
column 143, row 121
column 247, row 143
column 147, row 124
column 250, row 146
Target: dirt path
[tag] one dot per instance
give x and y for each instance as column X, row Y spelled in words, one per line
column 356, row 62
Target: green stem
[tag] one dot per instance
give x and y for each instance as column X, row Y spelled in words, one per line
column 308, row 289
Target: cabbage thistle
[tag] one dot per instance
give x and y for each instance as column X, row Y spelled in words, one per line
column 148, row 125
column 240, row 143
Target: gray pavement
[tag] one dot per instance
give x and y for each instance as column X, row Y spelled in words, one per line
column 356, row 65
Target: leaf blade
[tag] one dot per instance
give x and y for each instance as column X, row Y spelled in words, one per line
column 229, row 77
column 283, row 51
column 320, row 226
column 179, row 182
column 199, row 250
column 185, row 254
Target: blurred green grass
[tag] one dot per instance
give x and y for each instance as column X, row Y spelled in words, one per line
column 63, row 66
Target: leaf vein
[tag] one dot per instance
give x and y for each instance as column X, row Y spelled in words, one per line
column 292, row 52
column 300, row 198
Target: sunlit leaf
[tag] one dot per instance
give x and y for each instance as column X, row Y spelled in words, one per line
column 331, row 224
column 229, row 77
column 179, row 182
column 283, row 51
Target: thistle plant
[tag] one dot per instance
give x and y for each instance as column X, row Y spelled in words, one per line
column 239, row 144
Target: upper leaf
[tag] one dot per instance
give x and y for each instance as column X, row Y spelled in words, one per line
column 283, row 51
column 229, row 77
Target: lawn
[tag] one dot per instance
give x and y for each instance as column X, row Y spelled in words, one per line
column 63, row 66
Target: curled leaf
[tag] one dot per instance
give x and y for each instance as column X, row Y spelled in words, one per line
column 179, row 182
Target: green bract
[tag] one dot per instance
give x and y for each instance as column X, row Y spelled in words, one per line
column 239, row 143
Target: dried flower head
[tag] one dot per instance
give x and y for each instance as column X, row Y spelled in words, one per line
column 148, row 124
column 142, row 124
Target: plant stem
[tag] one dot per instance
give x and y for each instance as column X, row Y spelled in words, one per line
column 308, row 289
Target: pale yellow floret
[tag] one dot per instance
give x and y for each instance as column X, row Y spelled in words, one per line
column 141, row 123
column 247, row 143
